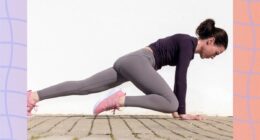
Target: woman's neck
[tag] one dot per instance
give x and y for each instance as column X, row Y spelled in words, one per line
column 198, row 47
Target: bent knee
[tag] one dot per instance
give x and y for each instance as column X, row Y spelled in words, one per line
column 123, row 64
column 117, row 64
column 174, row 105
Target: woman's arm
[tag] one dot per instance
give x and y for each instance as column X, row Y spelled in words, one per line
column 180, row 82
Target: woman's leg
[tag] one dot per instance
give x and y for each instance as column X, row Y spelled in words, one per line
column 101, row 81
column 139, row 69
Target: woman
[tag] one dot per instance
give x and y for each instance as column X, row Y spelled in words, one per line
column 140, row 67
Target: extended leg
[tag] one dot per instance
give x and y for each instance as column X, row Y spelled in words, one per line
column 101, row 81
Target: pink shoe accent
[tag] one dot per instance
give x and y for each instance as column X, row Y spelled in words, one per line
column 31, row 104
column 110, row 102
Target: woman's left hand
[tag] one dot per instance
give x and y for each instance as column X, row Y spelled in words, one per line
column 191, row 117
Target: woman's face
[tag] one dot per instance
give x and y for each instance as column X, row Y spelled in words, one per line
column 210, row 50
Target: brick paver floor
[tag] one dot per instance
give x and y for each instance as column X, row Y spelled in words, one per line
column 136, row 127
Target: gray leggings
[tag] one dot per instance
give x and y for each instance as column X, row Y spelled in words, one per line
column 137, row 67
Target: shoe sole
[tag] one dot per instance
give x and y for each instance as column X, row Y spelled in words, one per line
column 104, row 97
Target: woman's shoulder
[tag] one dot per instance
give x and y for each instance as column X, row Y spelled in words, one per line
column 183, row 36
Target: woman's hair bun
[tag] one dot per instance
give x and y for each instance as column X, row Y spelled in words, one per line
column 206, row 29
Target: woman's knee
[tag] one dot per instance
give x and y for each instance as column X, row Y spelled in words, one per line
column 174, row 105
column 121, row 63
column 116, row 64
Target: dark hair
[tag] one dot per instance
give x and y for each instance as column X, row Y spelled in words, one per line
column 207, row 29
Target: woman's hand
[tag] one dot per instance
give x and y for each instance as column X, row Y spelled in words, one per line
column 190, row 117
column 175, row 115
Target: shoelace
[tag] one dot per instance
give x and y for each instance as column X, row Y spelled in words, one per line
column 114, row 110
column 114, row 106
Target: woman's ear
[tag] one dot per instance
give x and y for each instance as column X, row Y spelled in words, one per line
column 211, row 40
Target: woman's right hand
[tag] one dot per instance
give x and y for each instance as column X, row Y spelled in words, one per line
column 191, row 117
column 175, row 115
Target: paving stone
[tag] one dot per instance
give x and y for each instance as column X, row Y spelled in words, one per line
column 183, row 132
column 223, row 119
column 45, row 127
column 127, row 127
column 211, row 127
column 158, row 130
column 81, row 128
column 97, row 137
column 219, row 125
column 137, row 127
column 149, row 137
column 197, row 130
column 100, row 126
column 120, row 130
column 57, row 138
column 64, row 127
column 36, row 121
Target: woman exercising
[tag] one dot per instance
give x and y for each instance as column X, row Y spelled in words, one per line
column 140, row 67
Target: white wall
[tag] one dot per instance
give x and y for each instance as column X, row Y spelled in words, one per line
column 74, row 39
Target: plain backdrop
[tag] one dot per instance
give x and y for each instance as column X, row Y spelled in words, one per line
column 74, row 39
